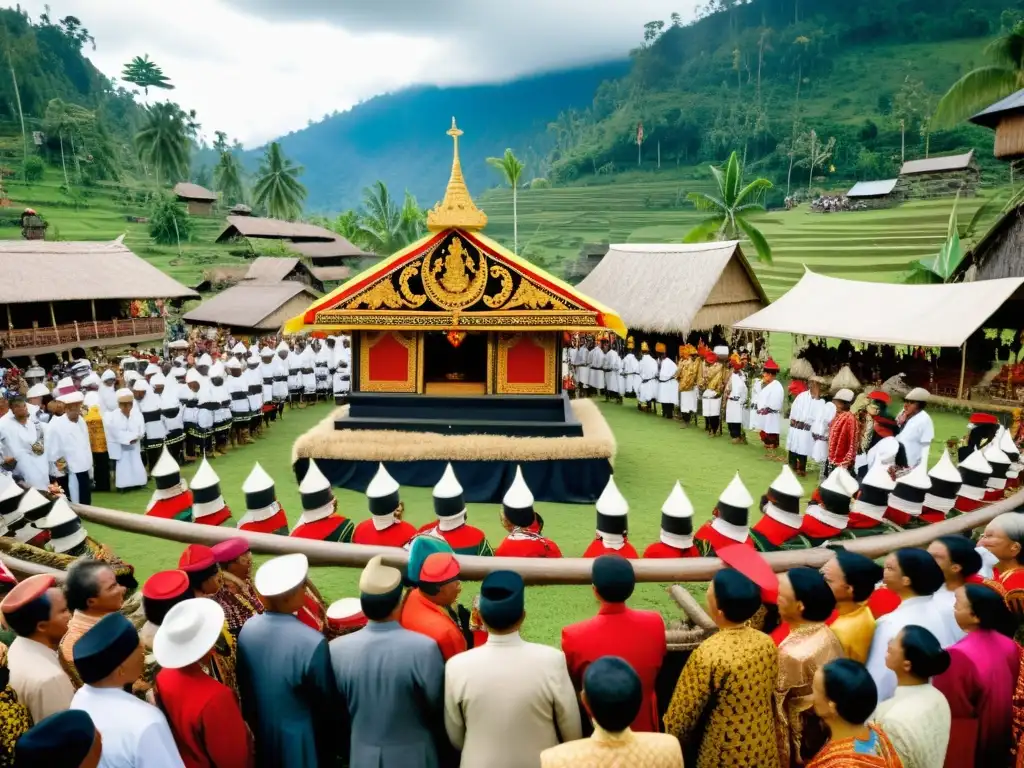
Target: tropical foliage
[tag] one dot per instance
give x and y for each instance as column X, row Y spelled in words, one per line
column 729, row 208
column 169, row 222
column 277, row 187
column 67, row 121
column 511, row 170
column 227, row 178
column 385, row 227
column 163, row 142
column 144, row 73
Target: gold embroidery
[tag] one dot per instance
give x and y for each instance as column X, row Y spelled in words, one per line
column 462, row 281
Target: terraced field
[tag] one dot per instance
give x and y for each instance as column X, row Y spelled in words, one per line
column 870, row 245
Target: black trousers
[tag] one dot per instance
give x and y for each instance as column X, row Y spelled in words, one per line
column 153, row 455
column 797, row 462
column 712, row 424
column 84, row 486
column 667, row 409
column 101, row 472
column 735, row 429
column 686, row 416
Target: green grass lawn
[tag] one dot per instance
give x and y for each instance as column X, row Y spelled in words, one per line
column 652, row 454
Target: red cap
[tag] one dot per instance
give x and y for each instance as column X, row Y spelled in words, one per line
column 165, row 585
column 749, row 562
column 24, row 593
column 196, row 558
column 797, row 387
column 439, row 568
column 230, row 549
column 983, row 418
column 710, row 356
column 771, row 366
column 880, row 396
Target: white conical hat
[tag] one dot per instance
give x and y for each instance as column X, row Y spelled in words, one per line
column 786, row 483
column 448, row 486
column 151, row 370
column 158, row 380
column 165, row 465
column 192, row 375
column 238, row 349
column 945, row 470
column 840, row 481
column 8, row 488
column 60, row 513
column 677, row 504
column 217, row 370
column 917, row 478
column 205, row 476
column 258, row 480
column 383, row 484
column 976, row 463
column 205, row 359
column 518, row 495
column 878, row 477
column 32, row 499
column 736, row 494
column 611, row 502
column 266, row 352
column 994, row 455
column 283, row 346
column 314, row 480
column 1006, row 444
column 233, row 364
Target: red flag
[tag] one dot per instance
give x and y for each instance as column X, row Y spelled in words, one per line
column 640, row 133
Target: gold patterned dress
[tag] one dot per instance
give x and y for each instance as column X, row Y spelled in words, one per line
column 15, row 719
column 799, row 732
column 723, row 701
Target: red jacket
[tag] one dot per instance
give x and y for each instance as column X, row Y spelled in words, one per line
column 774, row 532
column 464, row 540
column 618, row 630
column 814, row 529
column 659, row 550
column 712, row 541
column 597, row 548
column 397, row 535
column 331, row 528
column 842, row 439
column 276, row 523
column 421, row 615
column 530, row 545
column 205, row 719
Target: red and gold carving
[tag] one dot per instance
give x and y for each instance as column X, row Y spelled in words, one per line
column 388, row 362
column 526, row 363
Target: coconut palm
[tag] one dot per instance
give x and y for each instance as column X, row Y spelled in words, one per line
column 730, row 207
column 278, row 188
column 67, row 120
column 163, row 141
column 384, row 226
column 985, row 85
column 143, row 72
column 509, row 166
column 227, row 178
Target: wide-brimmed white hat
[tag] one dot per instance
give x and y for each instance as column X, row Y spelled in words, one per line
column 188, row 632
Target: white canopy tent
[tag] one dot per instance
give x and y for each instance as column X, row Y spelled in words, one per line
column 885, row 313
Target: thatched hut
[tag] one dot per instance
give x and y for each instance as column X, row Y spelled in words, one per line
column 275, row 269
column 671, row 292
column 333, row 260
column 1000, row 253
column 942, row 176
column 1006, row 118
column 875, row 194
column 273, row 229
column 199, row 200
column 253, row 308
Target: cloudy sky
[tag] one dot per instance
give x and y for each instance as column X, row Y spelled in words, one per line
column 260, row 68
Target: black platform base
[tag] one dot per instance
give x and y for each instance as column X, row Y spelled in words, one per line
column 568, row 481
column 510, row 415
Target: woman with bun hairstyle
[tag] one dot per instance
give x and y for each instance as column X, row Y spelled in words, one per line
column 844, row 697
column 979, row 683
column 916, row 719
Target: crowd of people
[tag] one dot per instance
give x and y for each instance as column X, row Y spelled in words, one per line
column 908, row 665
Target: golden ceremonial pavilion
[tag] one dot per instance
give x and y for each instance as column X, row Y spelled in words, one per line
column 455, row 335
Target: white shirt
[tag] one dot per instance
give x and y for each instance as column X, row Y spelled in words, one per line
column 943, row 606
column 771, row 397
column 135, row 734
column 69, row 441
column 917, row 721
column 914, row 610
column 916, row 436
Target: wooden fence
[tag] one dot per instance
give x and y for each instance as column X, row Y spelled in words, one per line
column 83, row 332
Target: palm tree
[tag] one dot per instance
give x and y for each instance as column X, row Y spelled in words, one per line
column 227, row 178
column 163, row 141
column 384, row 227
column 66, row 120
column 144, row 73
column 985, row 85
column 730, row 208
column 278, row 188
column 509, row 166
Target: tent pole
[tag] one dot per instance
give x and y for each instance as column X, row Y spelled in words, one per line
column 963, row 368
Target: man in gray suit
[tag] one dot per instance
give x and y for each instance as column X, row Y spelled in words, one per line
column 391, row 681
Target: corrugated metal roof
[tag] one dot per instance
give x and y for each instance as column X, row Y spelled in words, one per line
column 191, row 191
column 877, row 188
column 934, row 164
column 40, row 270
column 275, row 229
column 245, row 305
column 991, row 116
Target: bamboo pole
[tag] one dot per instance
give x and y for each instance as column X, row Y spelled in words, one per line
column 963, row 370
column 536, row 571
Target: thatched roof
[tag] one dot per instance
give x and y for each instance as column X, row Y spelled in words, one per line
column 676, row 288
column 38, row 270
column 247, row 304
column 338, row 248
column 991, row 116
column 273, row 229
column 879, row 188
column 240, row 209
column 271, row 269
column 938, row 164
column 331, row 274
column 188, row 191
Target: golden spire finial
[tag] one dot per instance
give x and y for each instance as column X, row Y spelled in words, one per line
column 457, row 210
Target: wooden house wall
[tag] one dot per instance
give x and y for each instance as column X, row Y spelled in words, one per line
column 1004, row 252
